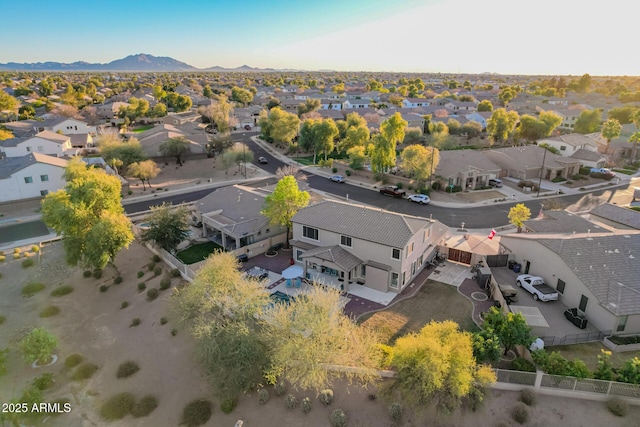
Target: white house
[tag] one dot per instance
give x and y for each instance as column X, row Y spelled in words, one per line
column 415, row 102
column 65, row 125
column 480, row 117
column 568, row 144
column 330, row 104
column 355, row 103
column 45, row 142
column 29, row 177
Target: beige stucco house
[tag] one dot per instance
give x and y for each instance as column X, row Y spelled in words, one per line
column 531, row 161
column 344, row 245
column 467, row 168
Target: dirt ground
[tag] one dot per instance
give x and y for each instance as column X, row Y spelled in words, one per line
column 92, row 324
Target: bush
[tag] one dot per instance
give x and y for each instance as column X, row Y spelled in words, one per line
column 347, row 172
column 280, row 388
column 49, row 311
column 151, row 266
column 124, row 304
column 140, row 274
column 584, row 171
column 618, row 407
column 399, row 185
column 97, row 273
column 73, row 360
column 2, row 258
column 117, row 280
column 174, row 332
column 29, row 262
column 155, row 258
column 16, row 256
column 372, row 396
column 157, row 271
column 175, row 272
column 104, row 288
column 326, row 397
column 35, row 248
column 334, row 170
column 227, row 406
column 395, row 412
column 306, row 405
column 152, row 294
column 61, row 291
column 520, row 413
column 196, row 413
column 165, row 283
column 32, row 289
column 44, row 381
column 558, row 179
column 38, row 346
column 263, row 396
column 86, row 273
column 142, row 286
column 145, row 406
column 338, row 418
column 163, row 321
column 127, row 369
column 528, row 396
column 16, row 250
column 84, row 372
column 117, row 406
column 291, row 401
column 521, row 364
column 135, row 322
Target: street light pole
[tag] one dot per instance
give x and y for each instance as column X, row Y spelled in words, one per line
column 244, row 156
column 544, row 156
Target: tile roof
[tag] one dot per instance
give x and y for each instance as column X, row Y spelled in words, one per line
column 562, row 222
column 335, row 254
column 588, row 155
column 624, row 216
column 52, row 136
column 573, row 139
column 453, row 162
column 11, row 165
column 373, row 225
column 378, row 265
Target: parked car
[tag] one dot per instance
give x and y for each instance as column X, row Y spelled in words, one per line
column 337, row 178
column 242, row 258
column 576, row 318
column 535, row 286
column 247, row 127
column 392, row 191
column 495, row 182
column 423, row 199
column 262, row 160
column 604, row 171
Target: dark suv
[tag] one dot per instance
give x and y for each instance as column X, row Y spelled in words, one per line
column 393, row 191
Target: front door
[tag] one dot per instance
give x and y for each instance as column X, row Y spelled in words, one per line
column 526, row 268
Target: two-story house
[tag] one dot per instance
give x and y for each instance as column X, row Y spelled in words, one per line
column 344, row 245
column 577, row 146
column 30, row 177
column 45, row 142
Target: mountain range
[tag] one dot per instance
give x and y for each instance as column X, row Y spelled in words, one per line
column 139, row 62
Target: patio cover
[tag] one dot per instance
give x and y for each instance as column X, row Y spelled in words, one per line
column 292, row 272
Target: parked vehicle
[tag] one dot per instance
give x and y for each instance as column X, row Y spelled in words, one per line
column 423, row 199
column 601, row 170
column 535, row 286
column 337, row 178
column 495, row 182
column 262, row 160
column 392, row 191
column 247, row 127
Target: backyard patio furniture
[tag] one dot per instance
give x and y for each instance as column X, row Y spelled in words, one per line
column 574, row 317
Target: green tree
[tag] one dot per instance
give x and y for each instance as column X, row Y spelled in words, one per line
column 438, row 128
column 437, row 365
column 518, row 215
column 531, row 128
column 285, row 201
column 5, row 134
column 382, row 154
column 168, row 226
column 634, row 139
column 413, row 135
column 506, row 95
column 551, row 121
column 318, row 135
column 584, row 84
column 159, row 110
column 3, row 363
column 144, row 171
column 623, row 114
column 472, row 129
column 176, row 147
column 392, row 129
column 486, row 346
column 611, row 129
column 8, row 102
column 501, row 124
column 310, row 105
column 38, row 346
column 511, row 328
column 588, row 121
column 282, row 126
column 111, row 147
column 88, row 214
column 238, row 155
column 26, row 112
column 419, row 161
column 485, row 105
column 207, row 92
column 357, row 157
column 240, row 95
column 454, row 126
column 178, row 103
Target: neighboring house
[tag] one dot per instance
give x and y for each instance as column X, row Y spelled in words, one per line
column 30, row 177
column 568, row 144
column 151, row 139
column 290, row 104
column 531, row 161
column 618, row 217
column 415, row 102
column 414, row 120
column 45, row 142
column 619, row 149
column 480, row 117
column 64, row 125
column 350, row 104
column 466, row 168
column 331, row 114
column 379, row 249
column 462, row 106
column 178, row 119
column 230, row 217
column 110, row 110
column 596, row 273
column 569, row 116
column 562, row 222
column 330, row 104
column 81, row 141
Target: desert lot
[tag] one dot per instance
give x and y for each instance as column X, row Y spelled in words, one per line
column 93, row 324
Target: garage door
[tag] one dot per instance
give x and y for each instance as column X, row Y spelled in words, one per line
column 460, row 256
column 497, row 260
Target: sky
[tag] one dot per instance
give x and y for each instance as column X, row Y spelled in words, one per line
column 450, row 36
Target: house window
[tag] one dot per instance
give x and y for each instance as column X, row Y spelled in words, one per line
column 583, row 304
column 563, row 147
column 28, row 149
column 40, row 148
column 44, row 192
column 299, row 255
column 310, row 233
column 394, row 280
column 420, row 260
column 395, row 253
column 345, row 241
column 413, row 268
column 410, row 248
column 267, row 231
column 560, row 286
column 44, row 178
column 622, row 323
column 363, row 270
column 427, row 233
column 404, row 277
column 28, row 180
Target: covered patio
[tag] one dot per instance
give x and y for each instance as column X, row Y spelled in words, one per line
column 331, row 266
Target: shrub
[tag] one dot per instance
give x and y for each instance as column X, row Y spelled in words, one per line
column 196, row 413
column 618, row 407
column 227, row 406
column 280, row 388
column 86, row 273
column 2, row 258
column 97, row 273
column 16, row 250
column 163, row 321
column 347, row 172
column 29, row 262
column 145, row 406
column 174, row 332
column 44, row 381
column 124, row 304
column 395, row 411
column 528, row 396
column 338, row 418
column 104, row 288
column 142, row 286
column 73, row 360
column 16, row 256
column 263, row 396
column 140, row 274
column 84, row 372
column 291, row 401
column 399, row 185
column 155, row 258
column 326, row 396
column 117, row 280
column 372, row 396
column 32, row 289
column 135, row 322
column 165, row 283
column 35, row 248
column 521, row 364
column 152, row 294
column 61, row 291
column 49, row 311
column 175, row 272
column 117, row 406
column 127, row 369
column 151, row 266
column 520, row 413
column 334, row 170
column 306, row 405
column 157, row 271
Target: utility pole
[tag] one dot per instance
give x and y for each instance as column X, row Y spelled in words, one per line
column 544, row 156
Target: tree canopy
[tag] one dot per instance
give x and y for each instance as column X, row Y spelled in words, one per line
column 167, row 226
column 176, row 147
column 588, row 121
column 501, row 124
column 485, row 105
column 144, row 171
column 279, row 125
column 611, row 129
column 240, row 95
column 111, row 147
column 518, row 215
column 511, row 328
column 318, row 135
column 420, row 161
column 285, row 201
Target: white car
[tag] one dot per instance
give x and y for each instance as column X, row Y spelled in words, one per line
column 423, row 199
column 263, row 160
column 337, row 178
column 535, row 286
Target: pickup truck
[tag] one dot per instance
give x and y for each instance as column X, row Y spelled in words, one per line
column 535, row 286
column 604, row 171
column 392, row 191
